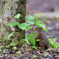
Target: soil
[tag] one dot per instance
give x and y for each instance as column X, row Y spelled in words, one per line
column 33, row 54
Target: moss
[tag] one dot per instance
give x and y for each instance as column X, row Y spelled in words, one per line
column 6, row 29
column 2, row 35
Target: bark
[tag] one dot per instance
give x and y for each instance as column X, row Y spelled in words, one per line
column 21, row 8
column 9, row 9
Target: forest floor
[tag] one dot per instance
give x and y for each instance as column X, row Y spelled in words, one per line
column 26, row 52
column 53, row 32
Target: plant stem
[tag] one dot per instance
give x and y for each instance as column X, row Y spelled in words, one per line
column 33, row 25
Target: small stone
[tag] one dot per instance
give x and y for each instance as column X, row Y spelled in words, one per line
column 38, row 52
column 5, row 54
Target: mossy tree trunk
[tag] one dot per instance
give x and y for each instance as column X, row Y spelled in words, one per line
column 10, row 8
column 21, row 8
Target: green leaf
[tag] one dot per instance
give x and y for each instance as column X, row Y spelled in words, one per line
column 10, row 35
column 22, row 26
column 30, row 18
column 40, row 25
column 48, row 49
column 45, row 29
column 0, row 50
column 34, row 56
column 26, row 40
column 17, row 16
column 34, row 47
column 29, row 22
column 13, row 24
column 32, row 39
column 1, row 47
column 4, row 51
column 37, row 15
column 28, row 27
column 35, row 34
column 18, row 52
column 53, row 44
column 40, row 22
column 15, row 48
column 46, row 54
column 8, row 46
column 26, row 36
column 35, row 18
column 13, row 44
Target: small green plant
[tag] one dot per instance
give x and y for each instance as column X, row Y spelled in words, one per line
column 46, row 54
column 34, row 47
column 34, row 56
column 10, row 35
column 0, row 50
column 30, row 40
column 15, row 48
column 25, row 26
column 1, row 47
column 53, row 44
column 5, row 50
column 18, row 52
